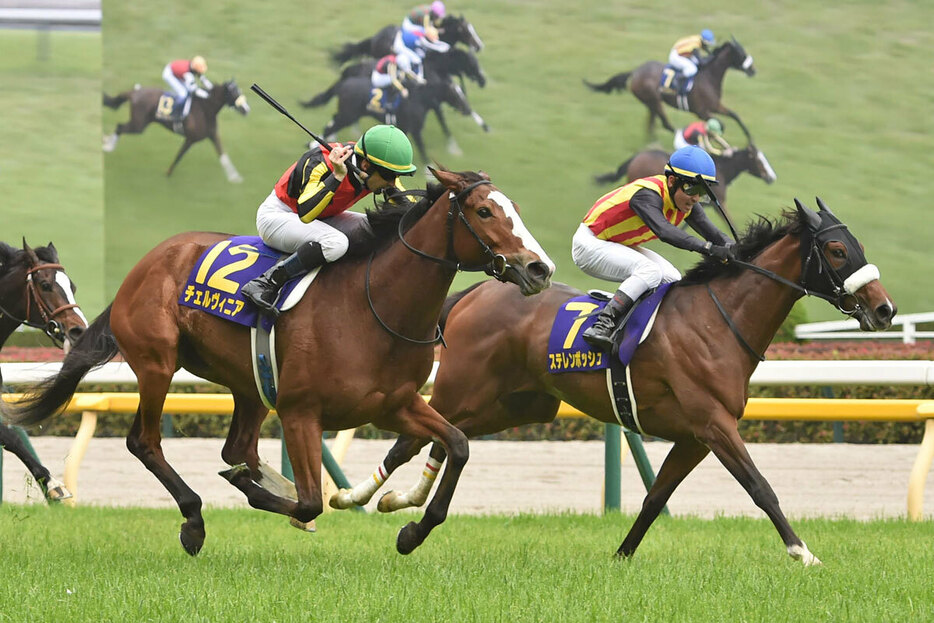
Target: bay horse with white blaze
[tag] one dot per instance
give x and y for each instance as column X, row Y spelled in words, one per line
column 355, row 349
column 690, row 377
column 35, row 291
column 201, row 122
column 704, row 98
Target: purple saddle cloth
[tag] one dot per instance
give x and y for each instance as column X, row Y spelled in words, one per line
column 567, row 350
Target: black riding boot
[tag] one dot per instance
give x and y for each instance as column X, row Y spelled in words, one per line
column 600, row 335
column 264, row 290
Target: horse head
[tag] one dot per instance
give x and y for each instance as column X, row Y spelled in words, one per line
column 49, row 297
column 235, row 98
column 738, row 58
column 492, row 233
column 455, row 62
column 835, row 267
column 758, row 164
column 447, row 91
column 455, row 28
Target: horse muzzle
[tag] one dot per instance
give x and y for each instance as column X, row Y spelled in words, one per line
column 531, row 278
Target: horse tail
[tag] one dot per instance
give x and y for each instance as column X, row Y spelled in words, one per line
column 322, row 98
column 351, row 50
column 95, row 347
column 452, row 300
column 116, row 101
column 613, row 176
column 616, row 83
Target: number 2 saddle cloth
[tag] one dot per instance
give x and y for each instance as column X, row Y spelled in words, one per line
column 214, row 287
column 568, row 352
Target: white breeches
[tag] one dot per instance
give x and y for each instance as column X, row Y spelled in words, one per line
column 177, row 86
column 636, row 268
column 282, row 229
column 679, row 140
column 685, row 65
column 380, row 80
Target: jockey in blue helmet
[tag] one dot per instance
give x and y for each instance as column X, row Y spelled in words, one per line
column 687, row 53
column 609, row 242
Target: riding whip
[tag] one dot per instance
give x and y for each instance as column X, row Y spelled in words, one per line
column 720, row 209
column 272, row 102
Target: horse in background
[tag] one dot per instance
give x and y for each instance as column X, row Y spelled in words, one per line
column 439, row 67
column 749, row 159
column 35, row 291
column 355, row 349
column 201, row 122
column 355, row 100
column 454, row 29
column 704, row 98
column 689, row 377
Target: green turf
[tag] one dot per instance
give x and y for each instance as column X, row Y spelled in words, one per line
column 50, row 164
column 839, row 105
column 91, row 564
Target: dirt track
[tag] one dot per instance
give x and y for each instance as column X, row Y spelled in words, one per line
column 503, row 477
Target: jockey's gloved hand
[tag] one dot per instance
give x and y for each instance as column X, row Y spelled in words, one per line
column 722, row 251
column 201, row 93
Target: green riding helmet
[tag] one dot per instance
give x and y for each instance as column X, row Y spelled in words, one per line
column 714, row 127
column 387, row 147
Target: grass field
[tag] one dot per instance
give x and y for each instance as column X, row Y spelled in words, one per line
column 839, row 105
column 51, row 170
column 92, row 564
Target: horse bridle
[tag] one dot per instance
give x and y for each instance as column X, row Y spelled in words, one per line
column 52, row 328
column 496, row 267
column 840, row 286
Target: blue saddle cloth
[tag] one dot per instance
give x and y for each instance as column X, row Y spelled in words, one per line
column 567, row 350
column 216, row 278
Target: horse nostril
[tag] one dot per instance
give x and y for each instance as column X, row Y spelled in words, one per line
column 74, row 333
column 884, row 312
column 540, row 271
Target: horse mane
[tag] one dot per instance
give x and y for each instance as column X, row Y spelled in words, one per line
column 13, row 256
column 760, row 234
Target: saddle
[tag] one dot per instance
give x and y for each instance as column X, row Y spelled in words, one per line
column 672, row 82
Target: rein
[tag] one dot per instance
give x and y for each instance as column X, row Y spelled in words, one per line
column 52, row 327
column 495, row 267
column 839, row 285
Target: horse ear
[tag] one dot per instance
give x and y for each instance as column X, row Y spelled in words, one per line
column 809, row 216
column 822, row 207
column 484, row 175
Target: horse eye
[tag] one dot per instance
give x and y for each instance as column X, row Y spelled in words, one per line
column 484, row 213
column 46, row 286
column 839, row 253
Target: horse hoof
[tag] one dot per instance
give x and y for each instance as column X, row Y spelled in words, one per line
column 235, row 472
column 409, row 538
column 341, row 500
column 391, row 501
column 304, row 526
column 57, row 494
column 191, row 543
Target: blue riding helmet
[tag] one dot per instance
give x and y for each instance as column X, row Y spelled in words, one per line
column 707, row 37
column 692, row 163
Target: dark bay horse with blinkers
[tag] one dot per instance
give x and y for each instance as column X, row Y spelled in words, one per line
column 355, row 349
column 704, row 98
column 201, row 122
column 36, row 292
column 690, row 377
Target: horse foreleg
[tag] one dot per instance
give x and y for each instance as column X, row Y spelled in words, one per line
column 742, row 126
column 724, row 440
column 684, row 456
column 302, row 434
column 422, row 422
column 229, row 169
column 181, row 152
column 52, row 489
column 453, row 147
column 401, row 453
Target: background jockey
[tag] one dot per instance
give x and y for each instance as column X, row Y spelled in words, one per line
column 389, row 75
column 183, row 77
column 425, row 17
column 314, row 194
column 608, row 244
column 414, row 42
column 708, row 135
column 687, row 53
